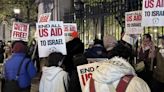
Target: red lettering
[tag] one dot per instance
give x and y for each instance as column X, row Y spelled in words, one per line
column 19, row 34
column 16, row 27
column 65, row 28
column 83, row 79
column 137, row 18
column 43, row 32
column 44, row 19
column 56, row 32
column 72, row 28
column 149, row 3
column 160, row 3
column 129, row 18
column 20, row 27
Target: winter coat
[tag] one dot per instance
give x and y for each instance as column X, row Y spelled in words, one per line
column 159, row 70
column 108, row 75
column 97, row 51
column 27, row 71
column 54, row 79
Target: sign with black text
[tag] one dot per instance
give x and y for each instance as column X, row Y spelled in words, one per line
column 133, row 22
column 51, row 38
column 69, row 28
column 85, row 72
column 153, row 13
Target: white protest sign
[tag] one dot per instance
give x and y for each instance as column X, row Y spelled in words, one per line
column 51, row 38
column 45, row 17
column 69, row 28
column 130, row 38
column 153, row 13
column 133, row 22
column 20, row 31
column 85, row 72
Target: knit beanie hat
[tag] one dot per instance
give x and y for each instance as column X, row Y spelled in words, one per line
column 19, row 47
column 109, row 42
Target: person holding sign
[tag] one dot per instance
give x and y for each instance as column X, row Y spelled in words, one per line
column 158, row 73
column 108, row 77
column 146, row 54
column 18, row 69
column 54, row 78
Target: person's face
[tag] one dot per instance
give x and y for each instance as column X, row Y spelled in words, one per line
column 146, row 40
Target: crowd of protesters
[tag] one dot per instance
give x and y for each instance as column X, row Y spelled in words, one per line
column 60, row 71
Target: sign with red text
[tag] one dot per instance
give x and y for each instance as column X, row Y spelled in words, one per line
column 51, row 38
column 85, row 72
column 20, row 31
column 153, row 13
column 45, row 17
column 133, row 22
column 69, row 28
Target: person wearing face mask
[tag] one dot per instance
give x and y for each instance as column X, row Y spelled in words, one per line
column 146, row 54
column 158, row 73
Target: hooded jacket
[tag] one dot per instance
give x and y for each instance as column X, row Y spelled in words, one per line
column 27, row 71
column 108, row 75
column 54, row 79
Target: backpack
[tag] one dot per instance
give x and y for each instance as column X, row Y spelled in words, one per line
column 121, row 87
column 13, row 85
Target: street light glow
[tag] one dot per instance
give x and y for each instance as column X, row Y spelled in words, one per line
column 16, row 11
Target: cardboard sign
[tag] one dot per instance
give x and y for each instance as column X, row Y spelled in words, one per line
column 20, row 31
column 51, row 38
column 85, row 72
column 45, row 17
column 153, row 13
column 133, row 22
column 69, row 28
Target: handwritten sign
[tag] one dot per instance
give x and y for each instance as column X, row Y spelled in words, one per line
column 20, row 31
column 45, row 17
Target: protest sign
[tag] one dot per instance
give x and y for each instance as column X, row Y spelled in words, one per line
column 85, row 72
column 20, row 31
column 51, row 38
column 130, row 38
column 45, row 17
column 133, row 22
column 153, row 13
column 70, row 29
